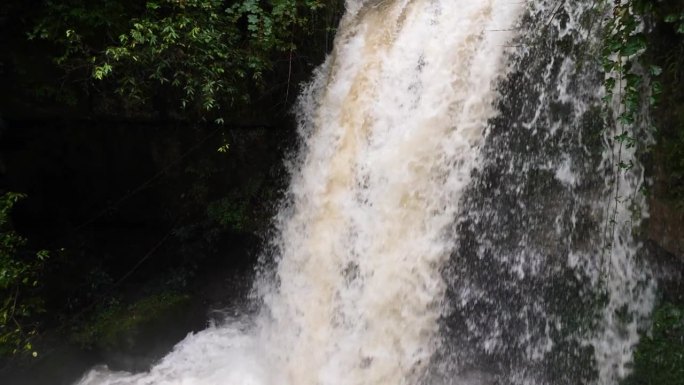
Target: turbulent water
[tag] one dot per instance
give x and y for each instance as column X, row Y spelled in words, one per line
column 448, row 215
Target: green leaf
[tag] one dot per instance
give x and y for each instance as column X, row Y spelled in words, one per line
column 626, row 166
column 671, row 18
column 626, row 118
column 634, row 44
column 656, row 70
column 656, row 88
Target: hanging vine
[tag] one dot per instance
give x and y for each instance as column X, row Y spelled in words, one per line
column 627, row 77
column 632, row 85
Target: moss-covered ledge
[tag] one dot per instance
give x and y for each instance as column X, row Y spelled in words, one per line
column 659, row 358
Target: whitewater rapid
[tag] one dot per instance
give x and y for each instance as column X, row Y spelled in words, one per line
column 390, row 130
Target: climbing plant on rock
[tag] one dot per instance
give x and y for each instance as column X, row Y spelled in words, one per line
column 627, row 79
column 633, row 81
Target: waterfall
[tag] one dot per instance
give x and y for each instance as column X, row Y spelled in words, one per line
column 444, row 219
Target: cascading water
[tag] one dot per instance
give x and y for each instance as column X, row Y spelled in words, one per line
column 438, row 230
column 545, row 284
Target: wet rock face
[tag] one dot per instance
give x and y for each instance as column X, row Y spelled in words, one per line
column 530, row 236
column 666, row 227
column 665, row 49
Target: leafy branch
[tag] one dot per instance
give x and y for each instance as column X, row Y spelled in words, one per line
column 19, row 277
column 202, row 57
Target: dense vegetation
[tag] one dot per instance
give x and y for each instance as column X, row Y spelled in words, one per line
column 19, row 279
column 194, row 59
column 659, row 359
column 211, row 79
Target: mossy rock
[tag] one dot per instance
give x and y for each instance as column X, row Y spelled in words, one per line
column 659, row 358
column 119, row 327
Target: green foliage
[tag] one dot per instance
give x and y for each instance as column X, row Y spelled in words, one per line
column 79, row 27
column 644, row 54
column 19, row 278
column 230, row 212
column 624, row 44
column 677, row 19
column 77, row 31
column 111, row 325
column 205, row 56
column 659, row 358
column 643, row 74
column 625, row 82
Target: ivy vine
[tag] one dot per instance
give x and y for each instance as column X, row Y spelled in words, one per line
column 630, row 76
column 627, row 78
